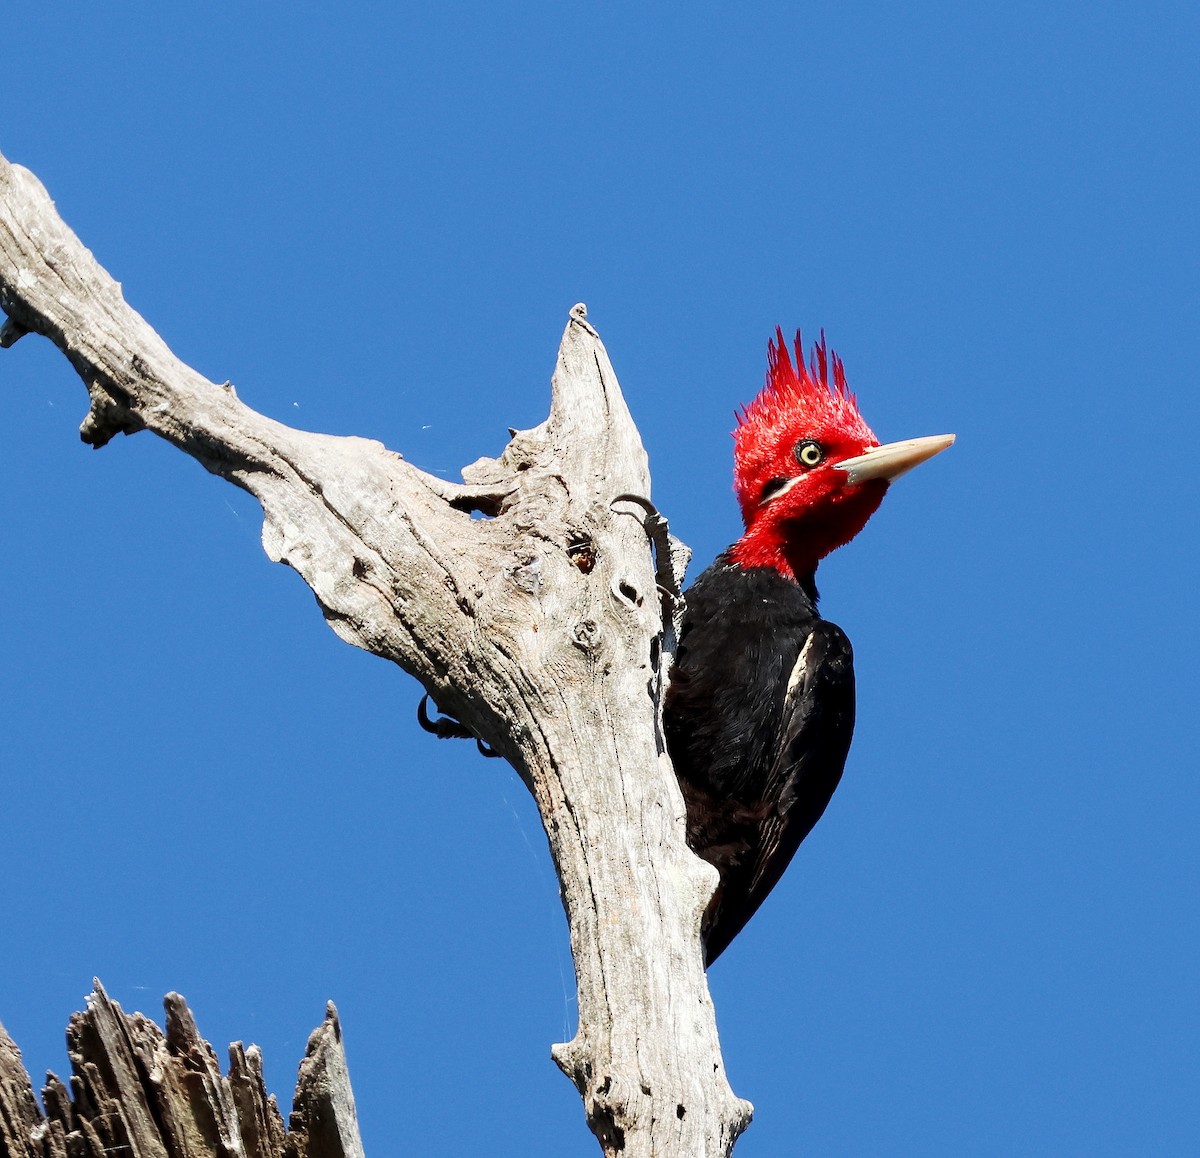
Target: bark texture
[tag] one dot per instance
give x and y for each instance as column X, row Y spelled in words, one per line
column 139, row 1091
column 540, row 627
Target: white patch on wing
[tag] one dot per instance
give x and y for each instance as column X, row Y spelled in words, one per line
column 800, row 670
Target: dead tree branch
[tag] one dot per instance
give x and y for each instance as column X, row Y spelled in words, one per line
column 539, row 628
column 136, row 1090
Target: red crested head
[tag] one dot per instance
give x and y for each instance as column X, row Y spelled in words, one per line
column 808, row 471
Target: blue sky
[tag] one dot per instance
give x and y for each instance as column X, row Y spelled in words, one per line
column 374, row 220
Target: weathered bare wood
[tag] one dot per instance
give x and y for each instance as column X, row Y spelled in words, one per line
column 20, row 1117
column 137, row 1090
column 539, row 627
column 324, row 1112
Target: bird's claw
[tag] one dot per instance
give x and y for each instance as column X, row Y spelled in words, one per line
column 11, row 332
column 444, row 727
column 448, row 728
column 659, row 534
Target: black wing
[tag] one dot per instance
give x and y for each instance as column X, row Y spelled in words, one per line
column 813, row 740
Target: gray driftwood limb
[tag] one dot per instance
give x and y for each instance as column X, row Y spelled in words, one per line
column 539, row 627
column 138, row 1091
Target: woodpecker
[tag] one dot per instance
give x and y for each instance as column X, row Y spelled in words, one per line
column 760, row 708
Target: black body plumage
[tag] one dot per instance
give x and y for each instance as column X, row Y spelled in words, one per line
column 758, row 716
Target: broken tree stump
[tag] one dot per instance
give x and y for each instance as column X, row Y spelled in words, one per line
column 140, row 1091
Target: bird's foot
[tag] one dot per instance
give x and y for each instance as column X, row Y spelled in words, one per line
column 11, row 332
column 659, row 534
column 448, row 728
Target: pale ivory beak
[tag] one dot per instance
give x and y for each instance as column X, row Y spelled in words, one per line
column 893, row 458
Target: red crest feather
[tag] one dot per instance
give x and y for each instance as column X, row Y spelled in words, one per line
column 791, row 388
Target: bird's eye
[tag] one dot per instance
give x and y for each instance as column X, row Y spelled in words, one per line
column 809, row 453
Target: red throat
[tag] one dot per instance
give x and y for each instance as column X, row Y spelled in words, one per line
column 795, row 546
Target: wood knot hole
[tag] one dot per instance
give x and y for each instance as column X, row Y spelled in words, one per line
column 526, row 572
column 585, row 635
column 582, row 552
